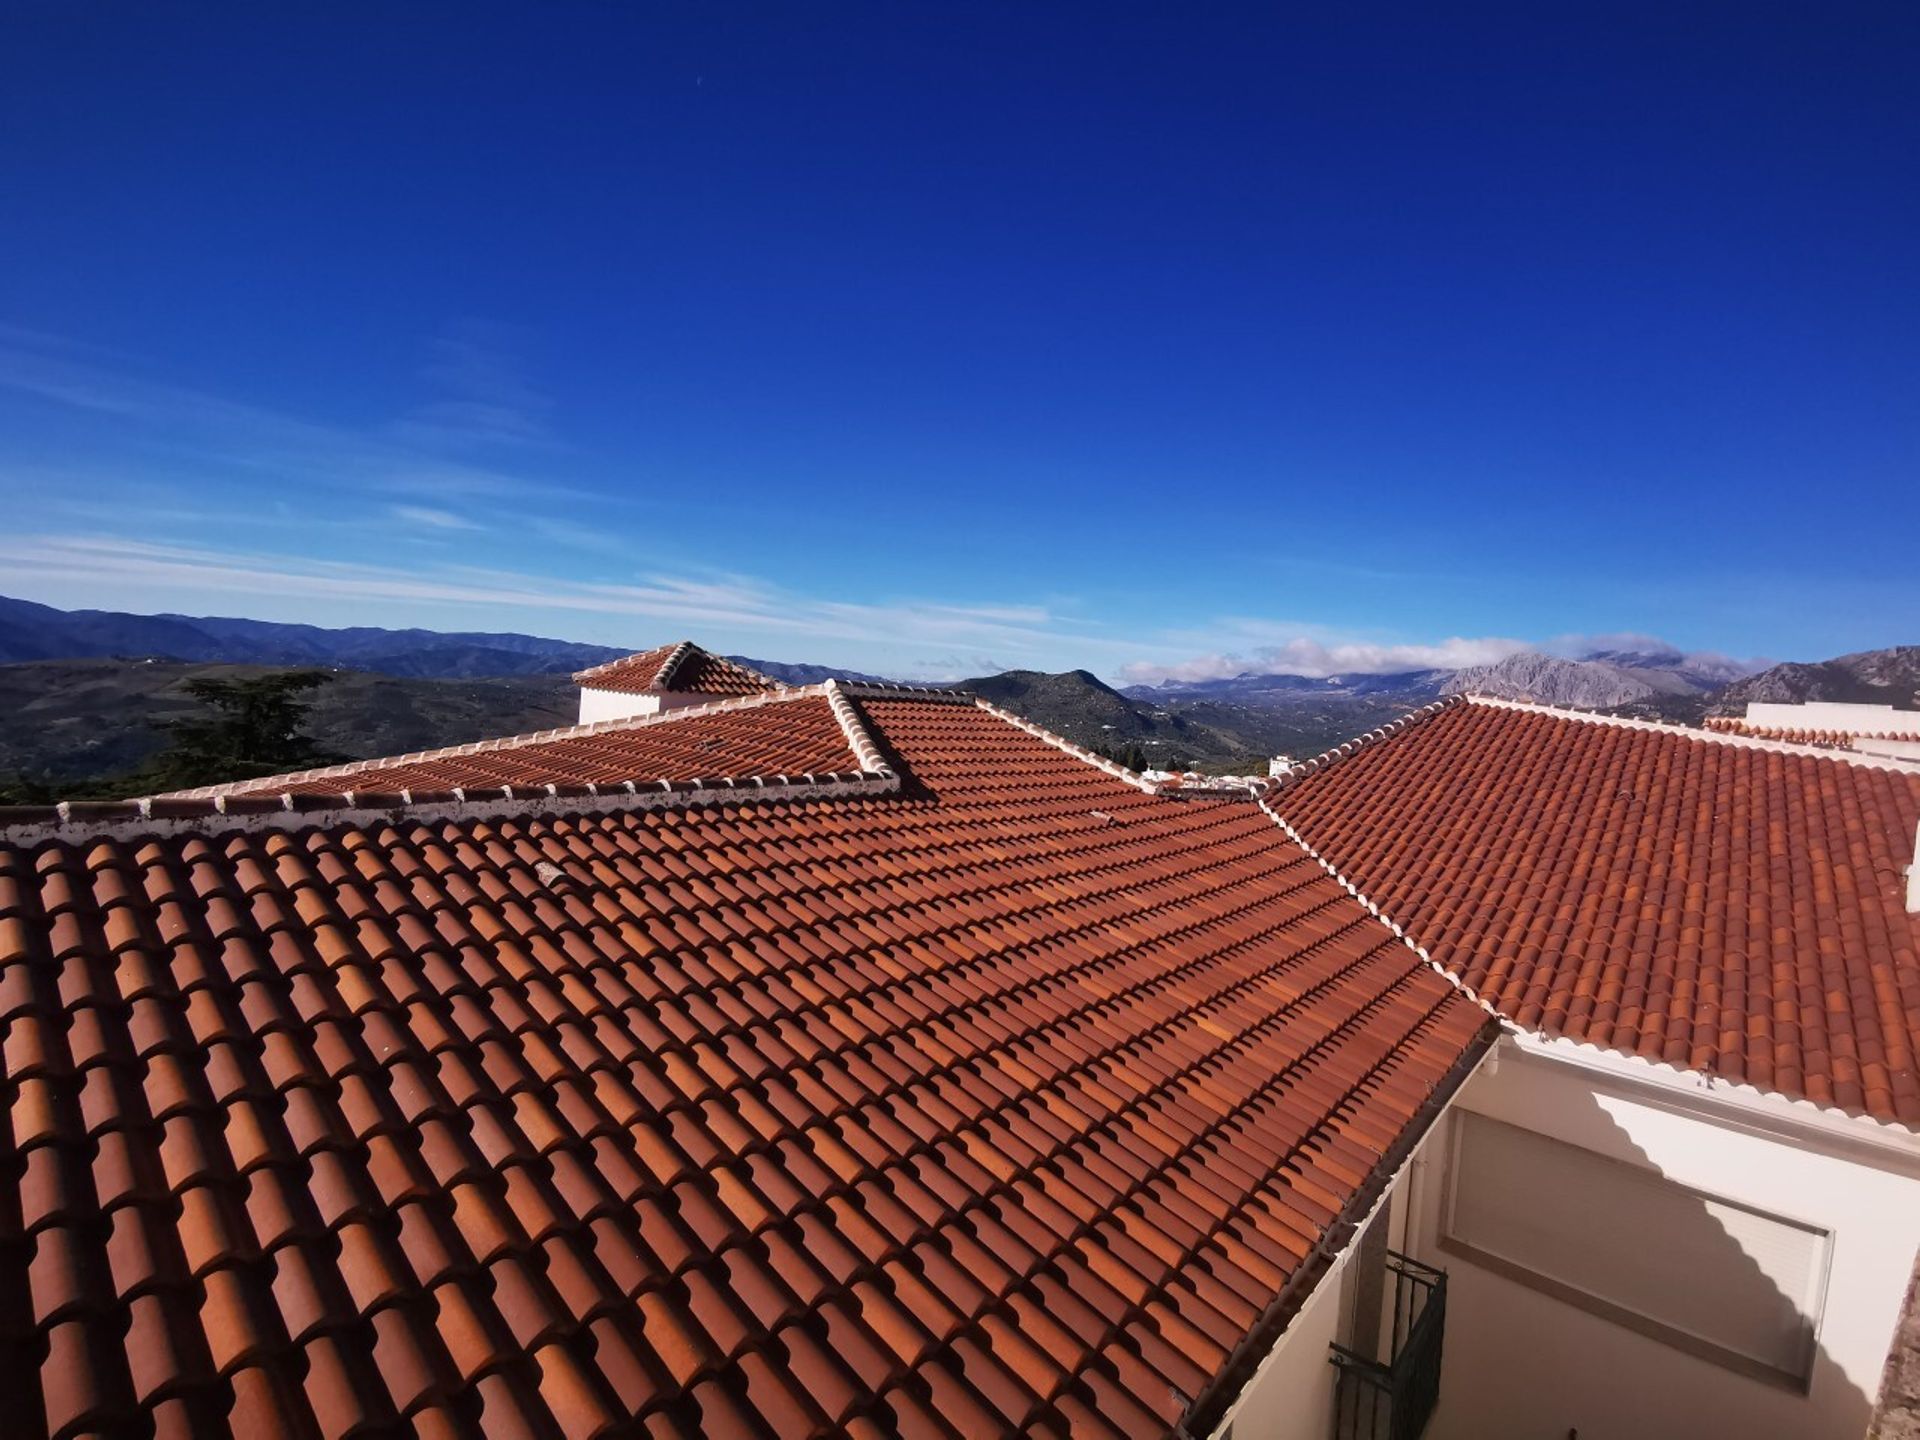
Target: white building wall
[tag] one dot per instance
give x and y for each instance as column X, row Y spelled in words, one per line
column 1522, row 1363
column 598, row 705
column 1833, row 715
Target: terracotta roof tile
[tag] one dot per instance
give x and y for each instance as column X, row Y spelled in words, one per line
column 682, row 668
column 1716, row 904
column 937, row 1109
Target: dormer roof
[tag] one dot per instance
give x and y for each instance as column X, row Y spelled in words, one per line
column 682, row 668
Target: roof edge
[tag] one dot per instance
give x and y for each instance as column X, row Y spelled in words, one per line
column 266, row 783
column 1216, row 1401
column 81, row 820
column 1360, row 742
column 1695, row 732
column 673, row 657
column 259, row 805
column 1834, row 1120
column 1079, row 752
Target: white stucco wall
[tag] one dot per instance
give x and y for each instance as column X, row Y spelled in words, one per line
column 613, row 705
column 1832, row 715
column 1522, row 1363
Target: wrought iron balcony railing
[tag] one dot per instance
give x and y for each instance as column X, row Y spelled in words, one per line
column 1393, row 1400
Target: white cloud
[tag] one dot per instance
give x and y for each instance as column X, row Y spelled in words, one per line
column 212, row 431
column 486, row 398
column 1316, row 658
column 432, row 518
column 728, row 611
column 1632, row 642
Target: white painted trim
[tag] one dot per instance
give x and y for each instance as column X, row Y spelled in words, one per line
column 1710, row 737
column 1744, row 1106
column 858, row 740
column 1060, row 742
column 496, row 802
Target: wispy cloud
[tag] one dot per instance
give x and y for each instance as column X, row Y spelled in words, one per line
column 431, row 518
column 910, row 637
column 1632, row 642
column 1317, row 658
column 214, row 431
column 485, row 396
column 729, row 609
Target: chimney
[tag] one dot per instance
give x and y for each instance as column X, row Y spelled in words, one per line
column 1913, row 876
column 664, row 678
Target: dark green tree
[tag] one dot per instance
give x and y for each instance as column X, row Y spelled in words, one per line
column 26, row 790
column 1131, row 756
column 253, row 727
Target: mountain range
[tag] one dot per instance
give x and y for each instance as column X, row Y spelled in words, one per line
column 29, row 631
column 87, row 694
column 1597, row 679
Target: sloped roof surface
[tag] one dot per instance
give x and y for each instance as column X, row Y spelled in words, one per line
column 1005, row 1102
column 682, row 668
column 802, row 738
column 1720, row 905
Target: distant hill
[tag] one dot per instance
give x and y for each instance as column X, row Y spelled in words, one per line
column 1586, row 684
column 1596, row 679
column 40, row 632
column 1287, row 690
column 1868, row 677
column 1204, row 733
column 29, row 631
column 1088, row 711
column 69, row 722
column 800, row 674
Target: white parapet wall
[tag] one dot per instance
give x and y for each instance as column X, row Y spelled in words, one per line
column 1831, row 715
column 596, row 705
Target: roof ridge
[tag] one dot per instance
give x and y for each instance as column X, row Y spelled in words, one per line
column 898, row 690
column 502, row 742
column 1695, row 732
column 1367, row 903
column 678, row 653
column 604, row 666
column 1079, row 752
column 663, row 672
column 859, row 738
column 1360, row 742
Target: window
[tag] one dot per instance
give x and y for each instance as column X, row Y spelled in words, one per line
column 1721, row 1280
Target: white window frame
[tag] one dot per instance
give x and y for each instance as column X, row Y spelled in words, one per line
column 1798, row 1379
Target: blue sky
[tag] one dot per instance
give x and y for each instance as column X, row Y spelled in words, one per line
column 927, row 339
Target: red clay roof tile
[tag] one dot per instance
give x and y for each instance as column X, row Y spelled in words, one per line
column 682, row 668
column 816, row 1115
column 1718, row 905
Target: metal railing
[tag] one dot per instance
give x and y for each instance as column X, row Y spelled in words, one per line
column 1394, row 1400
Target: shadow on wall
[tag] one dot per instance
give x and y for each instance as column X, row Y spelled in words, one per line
column 1570, row 1381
